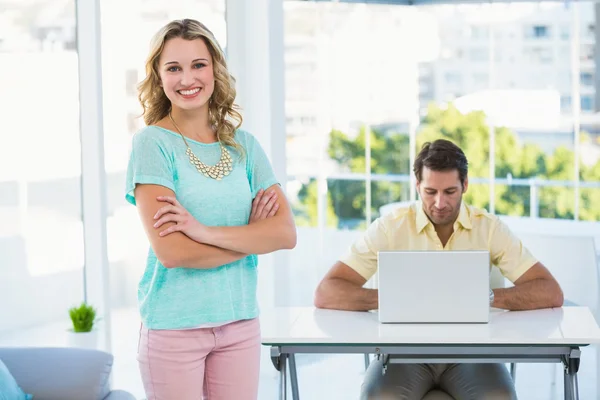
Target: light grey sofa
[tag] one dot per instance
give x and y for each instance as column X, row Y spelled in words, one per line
column 62, row 373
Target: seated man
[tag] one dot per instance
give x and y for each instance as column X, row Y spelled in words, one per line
column 439, row 221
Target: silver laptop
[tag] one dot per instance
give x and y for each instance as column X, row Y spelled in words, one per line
column 434, row 286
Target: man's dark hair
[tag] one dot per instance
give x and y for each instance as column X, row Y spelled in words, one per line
column 441, row 155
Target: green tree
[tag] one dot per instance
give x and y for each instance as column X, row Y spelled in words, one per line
column 471, row 133
column 390, row 155
column 347, row 198
column 590, row 197
column 306, row 212
column 515, row 159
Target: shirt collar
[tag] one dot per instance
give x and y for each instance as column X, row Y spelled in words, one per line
column 422, row 219
column 464, row 218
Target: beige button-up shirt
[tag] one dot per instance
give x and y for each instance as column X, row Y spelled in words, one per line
column 409, row 228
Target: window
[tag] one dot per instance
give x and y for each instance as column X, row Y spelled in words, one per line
column 538, row 55
column 453, row 78
column 587, row 103
column 480, row 32
column 308, row 120
column 587, row 79
column 479, row 54
column 587, row 52
column 41, row 233
column 449, row 53
column 529, row 105
column 498, row 55
column 301, row 68
column 481, row 80
column 354, row 97
column 537, row 32
column 565, row 104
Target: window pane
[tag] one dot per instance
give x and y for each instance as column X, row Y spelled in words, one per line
column 41, row 233
column 348, row 198
column 589, row 175
column 453, row 112
column 386, row 195
column 329, row 112
column 589, row 197
column 557, row 202
column 469, row 130
column 532, row 114
column 589, row 145
column 303, row 195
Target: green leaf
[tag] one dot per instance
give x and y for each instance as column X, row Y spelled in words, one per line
column 83, row 317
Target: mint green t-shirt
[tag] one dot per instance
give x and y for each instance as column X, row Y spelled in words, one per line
column 178, row 298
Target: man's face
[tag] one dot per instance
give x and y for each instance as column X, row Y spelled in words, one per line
column 441, row 193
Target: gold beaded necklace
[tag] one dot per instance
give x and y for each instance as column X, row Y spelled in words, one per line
column 217, row 171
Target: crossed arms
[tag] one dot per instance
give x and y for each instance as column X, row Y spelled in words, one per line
column 189, row 244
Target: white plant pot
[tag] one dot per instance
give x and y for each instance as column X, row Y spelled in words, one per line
column 86, row 340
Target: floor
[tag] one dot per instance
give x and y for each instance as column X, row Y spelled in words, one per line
column 344, row 372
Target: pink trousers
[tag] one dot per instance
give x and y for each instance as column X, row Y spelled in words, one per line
column 208, row 363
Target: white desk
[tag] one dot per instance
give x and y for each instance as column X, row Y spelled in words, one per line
column 550, row 335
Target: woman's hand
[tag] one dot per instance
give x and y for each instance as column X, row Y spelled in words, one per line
column 264, row 206
column 184, row 221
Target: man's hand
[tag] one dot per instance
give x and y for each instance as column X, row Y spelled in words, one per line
column 264, row 206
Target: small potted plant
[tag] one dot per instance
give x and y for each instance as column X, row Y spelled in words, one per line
column 83, row 333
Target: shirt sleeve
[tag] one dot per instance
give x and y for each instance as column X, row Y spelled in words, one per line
column 149, row 163
column 258, row 166
column 362, row 256
column 508, row 252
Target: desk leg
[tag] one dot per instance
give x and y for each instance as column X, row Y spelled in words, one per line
column 280, row 363
column 571, row 367
column 283, row 376
column 293, row 376
column 513, row 372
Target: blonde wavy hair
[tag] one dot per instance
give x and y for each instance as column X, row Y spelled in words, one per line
column 222, row 110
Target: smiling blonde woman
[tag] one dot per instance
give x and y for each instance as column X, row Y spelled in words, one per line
column 209, row 203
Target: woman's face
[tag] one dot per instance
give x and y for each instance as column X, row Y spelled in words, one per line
column 186, row 73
